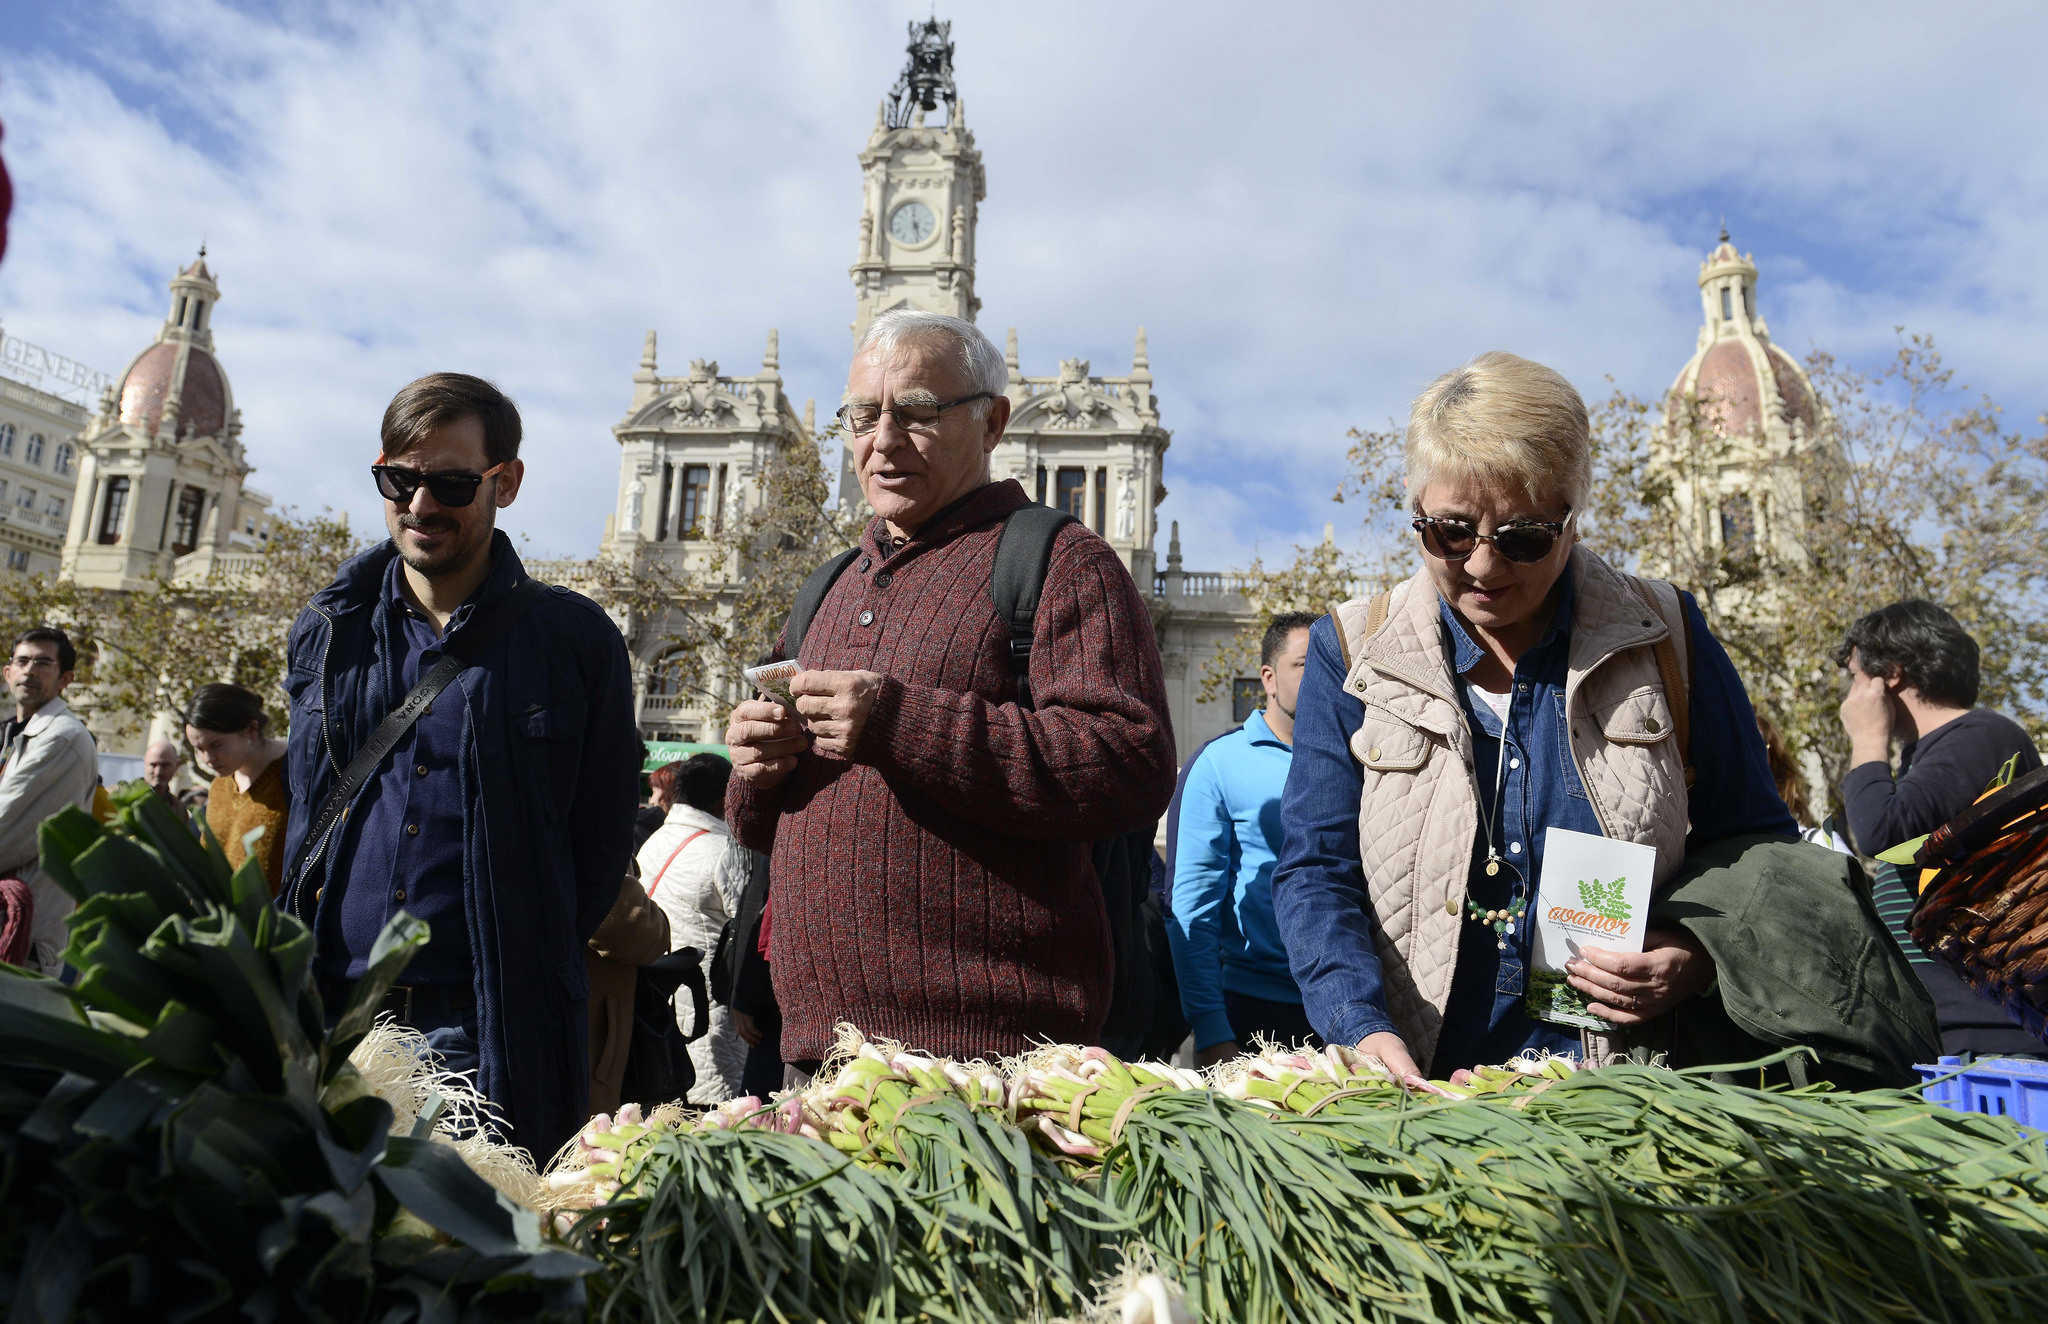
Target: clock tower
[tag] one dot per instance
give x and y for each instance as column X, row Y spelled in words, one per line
column 921, row 185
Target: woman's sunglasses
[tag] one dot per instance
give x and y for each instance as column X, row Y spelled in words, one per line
column 450, row 487
column 1523, row 542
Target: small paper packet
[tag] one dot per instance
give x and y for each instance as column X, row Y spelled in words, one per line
column 772, row 678
column 1594, row 892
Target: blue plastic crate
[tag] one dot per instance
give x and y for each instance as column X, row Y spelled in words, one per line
column 2014, row 1087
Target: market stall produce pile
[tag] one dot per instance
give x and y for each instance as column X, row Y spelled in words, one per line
column 1307, row 1187
column 180, row 1138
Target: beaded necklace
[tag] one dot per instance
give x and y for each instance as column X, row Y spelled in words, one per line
column 1503, row 920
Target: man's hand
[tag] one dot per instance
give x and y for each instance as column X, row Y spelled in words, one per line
column 1214, row 1053
column 1393, row 1054
column 764, row 739
column 746, row 1027
column 835, row 705
column 1867, row 717
column 1631, row 988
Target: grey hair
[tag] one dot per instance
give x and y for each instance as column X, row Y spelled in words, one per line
column 979, row 358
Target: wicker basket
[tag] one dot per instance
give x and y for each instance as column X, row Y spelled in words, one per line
column 1985, row 913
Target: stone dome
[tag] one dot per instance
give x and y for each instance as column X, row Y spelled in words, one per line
column 202, row 398
column 1742, row 382
column 1729, row 381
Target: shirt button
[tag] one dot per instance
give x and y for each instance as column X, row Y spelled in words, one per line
column 1514, row 763
column 1522, row 688
column 318, row 892
column 427, row 711
column 412, row 829
column 399, row 895
column 1514, row 848
column 865, row 562
column 419, row 769
column 866, row 617
column 882, row 580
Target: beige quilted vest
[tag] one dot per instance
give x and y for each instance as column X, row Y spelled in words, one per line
column 1418, row 812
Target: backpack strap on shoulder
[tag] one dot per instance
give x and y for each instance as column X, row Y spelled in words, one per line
column 1375, row 617
column 810, row 597
column 1023, row 553
column 1675, row 675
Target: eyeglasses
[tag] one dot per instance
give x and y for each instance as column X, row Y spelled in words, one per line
column 449, row 487
column 921, row 419
column 1523, row 542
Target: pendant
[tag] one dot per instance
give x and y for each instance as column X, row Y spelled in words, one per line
column 1492, row 868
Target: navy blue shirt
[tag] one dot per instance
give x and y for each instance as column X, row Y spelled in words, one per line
column 401, row 848
column 1319, row 887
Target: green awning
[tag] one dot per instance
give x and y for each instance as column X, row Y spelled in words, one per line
column 661, row 753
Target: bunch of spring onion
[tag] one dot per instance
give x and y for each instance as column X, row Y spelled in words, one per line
column 1285, row 1080
column 1074, row 1101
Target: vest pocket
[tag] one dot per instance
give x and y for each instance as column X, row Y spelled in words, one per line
column 1384, row 743
column 1640, row 717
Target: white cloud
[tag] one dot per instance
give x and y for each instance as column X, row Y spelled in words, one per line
column 1313, row 210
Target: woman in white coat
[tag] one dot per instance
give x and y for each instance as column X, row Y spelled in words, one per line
column 694, row 870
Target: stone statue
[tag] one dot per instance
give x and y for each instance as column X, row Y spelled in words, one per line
column 1127, row 508
column 629, row 515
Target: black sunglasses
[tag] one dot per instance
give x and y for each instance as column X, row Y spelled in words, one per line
column 1522, row 542
column 450, row 487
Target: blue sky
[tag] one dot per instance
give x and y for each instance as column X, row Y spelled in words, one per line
column 1312, row 208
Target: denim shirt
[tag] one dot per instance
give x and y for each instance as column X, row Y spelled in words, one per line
column 1319, row 892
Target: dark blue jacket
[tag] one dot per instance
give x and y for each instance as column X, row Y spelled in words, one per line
column 551, row 755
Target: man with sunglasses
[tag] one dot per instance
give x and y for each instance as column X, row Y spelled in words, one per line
column 51, row 761
column 502, row 813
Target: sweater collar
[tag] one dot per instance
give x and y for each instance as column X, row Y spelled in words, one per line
column 987, row 504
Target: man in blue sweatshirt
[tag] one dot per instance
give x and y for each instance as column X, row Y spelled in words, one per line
column 1227, row 954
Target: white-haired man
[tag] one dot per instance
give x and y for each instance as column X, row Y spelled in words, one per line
column 930, row 833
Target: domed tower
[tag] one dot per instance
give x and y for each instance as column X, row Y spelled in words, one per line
column 162, row 462
column 1739, row 412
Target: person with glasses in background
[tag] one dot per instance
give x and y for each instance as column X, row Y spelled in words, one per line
column 1512, row 685
column 500, row 812
column 914, row 807
column 52, row 761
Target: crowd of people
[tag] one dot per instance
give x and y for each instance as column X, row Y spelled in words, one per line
column 912, row 838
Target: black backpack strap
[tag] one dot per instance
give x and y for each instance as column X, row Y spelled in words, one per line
column 1023, row 551
column 810, row 597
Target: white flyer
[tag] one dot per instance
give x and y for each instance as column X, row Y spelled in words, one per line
column 773, row 678
column 1595, row 892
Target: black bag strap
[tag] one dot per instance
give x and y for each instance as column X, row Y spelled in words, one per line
column 810, row 597
column 1023, row 553
column 476, row 638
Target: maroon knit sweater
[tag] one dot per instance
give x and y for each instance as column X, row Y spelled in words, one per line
column 938, row 889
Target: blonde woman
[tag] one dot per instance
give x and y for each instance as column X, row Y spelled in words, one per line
column 1510, row 686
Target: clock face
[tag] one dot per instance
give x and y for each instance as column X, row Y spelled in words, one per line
column 912, row 223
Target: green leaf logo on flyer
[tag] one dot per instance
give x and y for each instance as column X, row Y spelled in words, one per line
column 1604, row 899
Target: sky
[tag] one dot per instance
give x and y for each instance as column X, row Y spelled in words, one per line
column 1313, row 209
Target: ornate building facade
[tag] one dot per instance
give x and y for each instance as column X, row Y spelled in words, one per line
column 38, row 474
column 162, row 472
column 693, row 446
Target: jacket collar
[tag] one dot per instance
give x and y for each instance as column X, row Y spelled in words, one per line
column 1610, row 616
column 984, row 505
column 1605, row 617
column 694, row 819
column 360, row 581
column 45, row 716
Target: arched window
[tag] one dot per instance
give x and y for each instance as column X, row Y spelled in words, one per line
column 62, row 464
column 6, row 439
column 33, row 452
